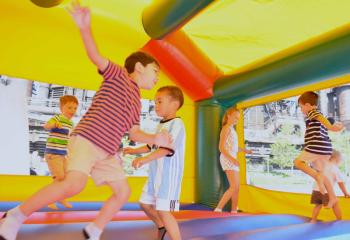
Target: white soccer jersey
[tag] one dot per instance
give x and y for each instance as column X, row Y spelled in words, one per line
column 165, row 174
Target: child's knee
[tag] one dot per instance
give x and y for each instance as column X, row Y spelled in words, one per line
column 73, row 184
column 72, row 188
column 123, row 192
column 59, row 177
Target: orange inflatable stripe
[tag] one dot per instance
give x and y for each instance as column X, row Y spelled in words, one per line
column 88, row 216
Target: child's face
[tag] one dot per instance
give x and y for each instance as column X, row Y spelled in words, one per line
column 149, row 75
column 305, row 107
column 69, row 109
column 165, row 105
column 233, row 117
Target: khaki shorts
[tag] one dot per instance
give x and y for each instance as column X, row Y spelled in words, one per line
column 57, row 165
column 318, row 161
column 86, row 157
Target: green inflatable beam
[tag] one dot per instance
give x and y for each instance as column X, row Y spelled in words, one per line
column 209, row 180
column 163, row 17
column 319, row 63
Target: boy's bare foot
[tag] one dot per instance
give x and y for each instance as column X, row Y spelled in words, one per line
column 66, row 204
column 331, row 202
column 313, row 221
column 320, row 183
column 53, row 206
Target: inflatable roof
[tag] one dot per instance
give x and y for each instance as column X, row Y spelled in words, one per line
column 197, row 42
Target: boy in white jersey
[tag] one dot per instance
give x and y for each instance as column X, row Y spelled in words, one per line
column 317, row 146
column 60, row 126
column 161, row 192
column 333, row 173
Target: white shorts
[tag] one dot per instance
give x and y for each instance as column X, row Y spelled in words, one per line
column 227, row 164
column 86, row 157
column 317, row 160
column 160, row 204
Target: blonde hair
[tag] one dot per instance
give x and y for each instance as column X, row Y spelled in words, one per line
column 336, row 156
column 228, row 112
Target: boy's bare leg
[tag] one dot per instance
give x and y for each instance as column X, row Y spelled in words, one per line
column 71, row 185
column 332, row 197
column 319, row 178
column 152, row 213
column 121, row 194
column 337, row 211
column 170, row 224
column 315, row 213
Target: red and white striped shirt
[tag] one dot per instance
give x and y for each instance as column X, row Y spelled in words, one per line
column 115, row 108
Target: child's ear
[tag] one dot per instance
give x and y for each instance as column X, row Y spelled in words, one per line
column 176, row 104
column 139, row 67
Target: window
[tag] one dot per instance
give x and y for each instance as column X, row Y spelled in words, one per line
column 275, row 133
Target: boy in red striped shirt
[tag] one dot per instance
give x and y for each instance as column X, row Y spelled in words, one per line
column 92, row 148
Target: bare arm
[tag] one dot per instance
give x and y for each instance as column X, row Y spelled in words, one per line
column 343, row 189
column 336, row 127
column 140, row 150
column 224, row 134
column 52, row 123
column 82, row 18
column 159, row 139
column 245, row 150
column 160, row 152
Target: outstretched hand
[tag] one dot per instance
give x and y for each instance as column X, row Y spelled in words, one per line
column 138, row 162
column 338, row 126
column 80, row 14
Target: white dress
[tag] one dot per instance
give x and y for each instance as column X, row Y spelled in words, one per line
column 231, row 145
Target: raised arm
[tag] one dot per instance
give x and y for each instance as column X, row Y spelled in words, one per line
column 82, row 19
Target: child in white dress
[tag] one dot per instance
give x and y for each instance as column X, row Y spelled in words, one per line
column 228, row 147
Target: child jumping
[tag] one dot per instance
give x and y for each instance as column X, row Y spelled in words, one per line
column 317, row 147
column 161, row 193
column 60, row 127
column 92, row 148
column 228, row 146
column 333, row 173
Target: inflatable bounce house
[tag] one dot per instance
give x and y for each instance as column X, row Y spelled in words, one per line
column 257, row 55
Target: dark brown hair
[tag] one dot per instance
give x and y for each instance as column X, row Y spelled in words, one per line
column 140, row 57
column 174, row 92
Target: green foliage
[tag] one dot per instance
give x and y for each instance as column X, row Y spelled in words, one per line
column 282, row 151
